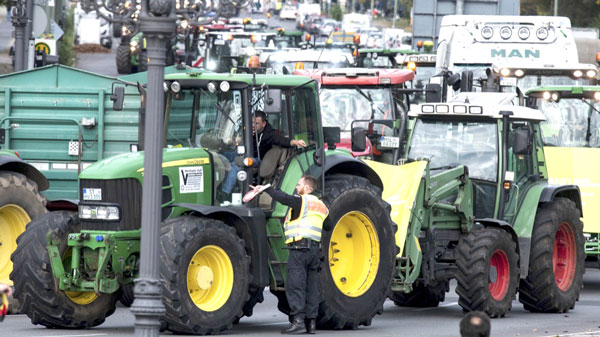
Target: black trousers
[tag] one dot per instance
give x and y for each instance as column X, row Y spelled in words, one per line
column 302, row 286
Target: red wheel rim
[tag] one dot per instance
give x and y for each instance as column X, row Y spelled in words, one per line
column 564, row 256
column 499, row 284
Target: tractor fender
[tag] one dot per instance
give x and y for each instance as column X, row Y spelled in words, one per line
column 251, row 225
column 63, row 205
column 523, row 243
column 564, row 191
column 347, row 165
column 15, row 164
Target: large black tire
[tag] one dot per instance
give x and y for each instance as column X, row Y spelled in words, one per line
column 557, row 261
column 187, row 242
column 488, row 271
column 126, row 295
column 142, row 61
column 35, row 288
column 123, row 59
column 20, row 202
column 421, row 296
column 353, row 286
column 117, row 29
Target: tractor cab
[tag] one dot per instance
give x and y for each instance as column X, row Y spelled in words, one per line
column 379, row 58
column 423, row 64
column 351, row 97
column 226, row 50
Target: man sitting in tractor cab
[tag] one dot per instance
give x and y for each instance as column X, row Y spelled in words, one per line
column 265, row 137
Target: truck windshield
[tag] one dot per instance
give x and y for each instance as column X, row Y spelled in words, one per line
column 571, row 122
column 340, row 106
column 451, row 143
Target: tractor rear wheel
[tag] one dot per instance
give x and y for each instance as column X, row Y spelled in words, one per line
column 557, row 261
column 421, row 296
column 123, row 59
column 360, row 253
column 206, row 273
column 488, row 272
column 20, row 202
column 35, row 288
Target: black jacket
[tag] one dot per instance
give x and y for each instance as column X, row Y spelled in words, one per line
column 267, row 138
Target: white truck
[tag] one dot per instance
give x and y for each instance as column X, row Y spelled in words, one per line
column 525, row 51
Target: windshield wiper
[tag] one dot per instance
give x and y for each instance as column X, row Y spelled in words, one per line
column 369, row 98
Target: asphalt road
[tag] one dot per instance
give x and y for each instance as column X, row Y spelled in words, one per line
column 396, row 321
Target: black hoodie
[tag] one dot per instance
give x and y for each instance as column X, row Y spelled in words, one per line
column 267, row 138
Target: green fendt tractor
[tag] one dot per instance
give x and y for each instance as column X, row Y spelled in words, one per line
column 217, row 254
column 480, row 209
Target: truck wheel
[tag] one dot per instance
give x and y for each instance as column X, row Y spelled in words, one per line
column 421, row 296
column 557, row 261
column 20, row 202
column 360, row 253
column 488, row 272
column 123, row 59
column 35, row 286
column 206, row 273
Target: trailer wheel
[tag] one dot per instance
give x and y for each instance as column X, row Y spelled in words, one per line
column 360, row 253
column 20, row 202
column 123, row 59
column 487, row 272
column 557, row 261
column 421, row 296
column 206, row 273
column 35, row 287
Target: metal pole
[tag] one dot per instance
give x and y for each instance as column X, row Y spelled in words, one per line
column 395, row 13
column 157, row 22
column 19, row 20
column 459, row 7
column 555, row 7
column 28, row 31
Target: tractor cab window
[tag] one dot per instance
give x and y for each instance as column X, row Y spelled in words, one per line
column 571, row 123
column 303, row 116
column 452, row 143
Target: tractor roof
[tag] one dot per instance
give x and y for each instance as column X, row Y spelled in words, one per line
column 358, row 76
column 419, row 59
column 565, row 91
column 243, row 80
column 469, row 111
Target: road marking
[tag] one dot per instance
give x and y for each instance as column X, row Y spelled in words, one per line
column 86, row 335
column 440, row 306
column 588, row 333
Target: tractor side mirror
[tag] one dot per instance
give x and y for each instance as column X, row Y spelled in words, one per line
column 273, row 101
column 331, row 135
column 454, row 81
column 433, row 93
column 359, row 139
column 118, row 97
column 466, row 81
column 522, row 142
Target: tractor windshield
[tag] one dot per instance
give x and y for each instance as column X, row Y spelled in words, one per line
column 571, row 122
column 340, row 106
column 448, row 144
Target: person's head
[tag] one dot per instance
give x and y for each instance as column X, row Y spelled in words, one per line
column 259, row 121
column 475, row 324
column 306, row 184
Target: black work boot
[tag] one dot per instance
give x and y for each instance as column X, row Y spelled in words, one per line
column 296, row 326
column 311, row 326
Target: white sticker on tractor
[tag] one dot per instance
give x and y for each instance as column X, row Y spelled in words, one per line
column 92, row 194
column 191, row 179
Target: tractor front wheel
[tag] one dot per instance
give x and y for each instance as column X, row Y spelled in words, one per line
column 124, row 65
column 360, row 253
column 488, row 272
column 35, row 287
column 206, row 273
column 557, row 261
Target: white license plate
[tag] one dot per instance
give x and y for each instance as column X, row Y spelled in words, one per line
column 219, row 42
column 92, row 194
column 390, row 142
column 508, row 81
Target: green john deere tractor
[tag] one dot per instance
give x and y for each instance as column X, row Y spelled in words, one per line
column 479, row 209
column 217, row 254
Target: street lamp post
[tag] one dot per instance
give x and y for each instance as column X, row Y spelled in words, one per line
column 19, row 20
column 157, row 22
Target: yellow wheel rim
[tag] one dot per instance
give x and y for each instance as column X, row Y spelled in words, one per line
column 210, row 278
column 13, row 220
column 77, row 297
column 354, row 254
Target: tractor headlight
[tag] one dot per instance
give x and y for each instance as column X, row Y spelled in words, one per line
column 99, row 212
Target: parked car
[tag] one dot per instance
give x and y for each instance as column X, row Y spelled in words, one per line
column 329, row 26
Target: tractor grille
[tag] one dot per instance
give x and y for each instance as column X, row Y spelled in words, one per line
column 127, row 193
